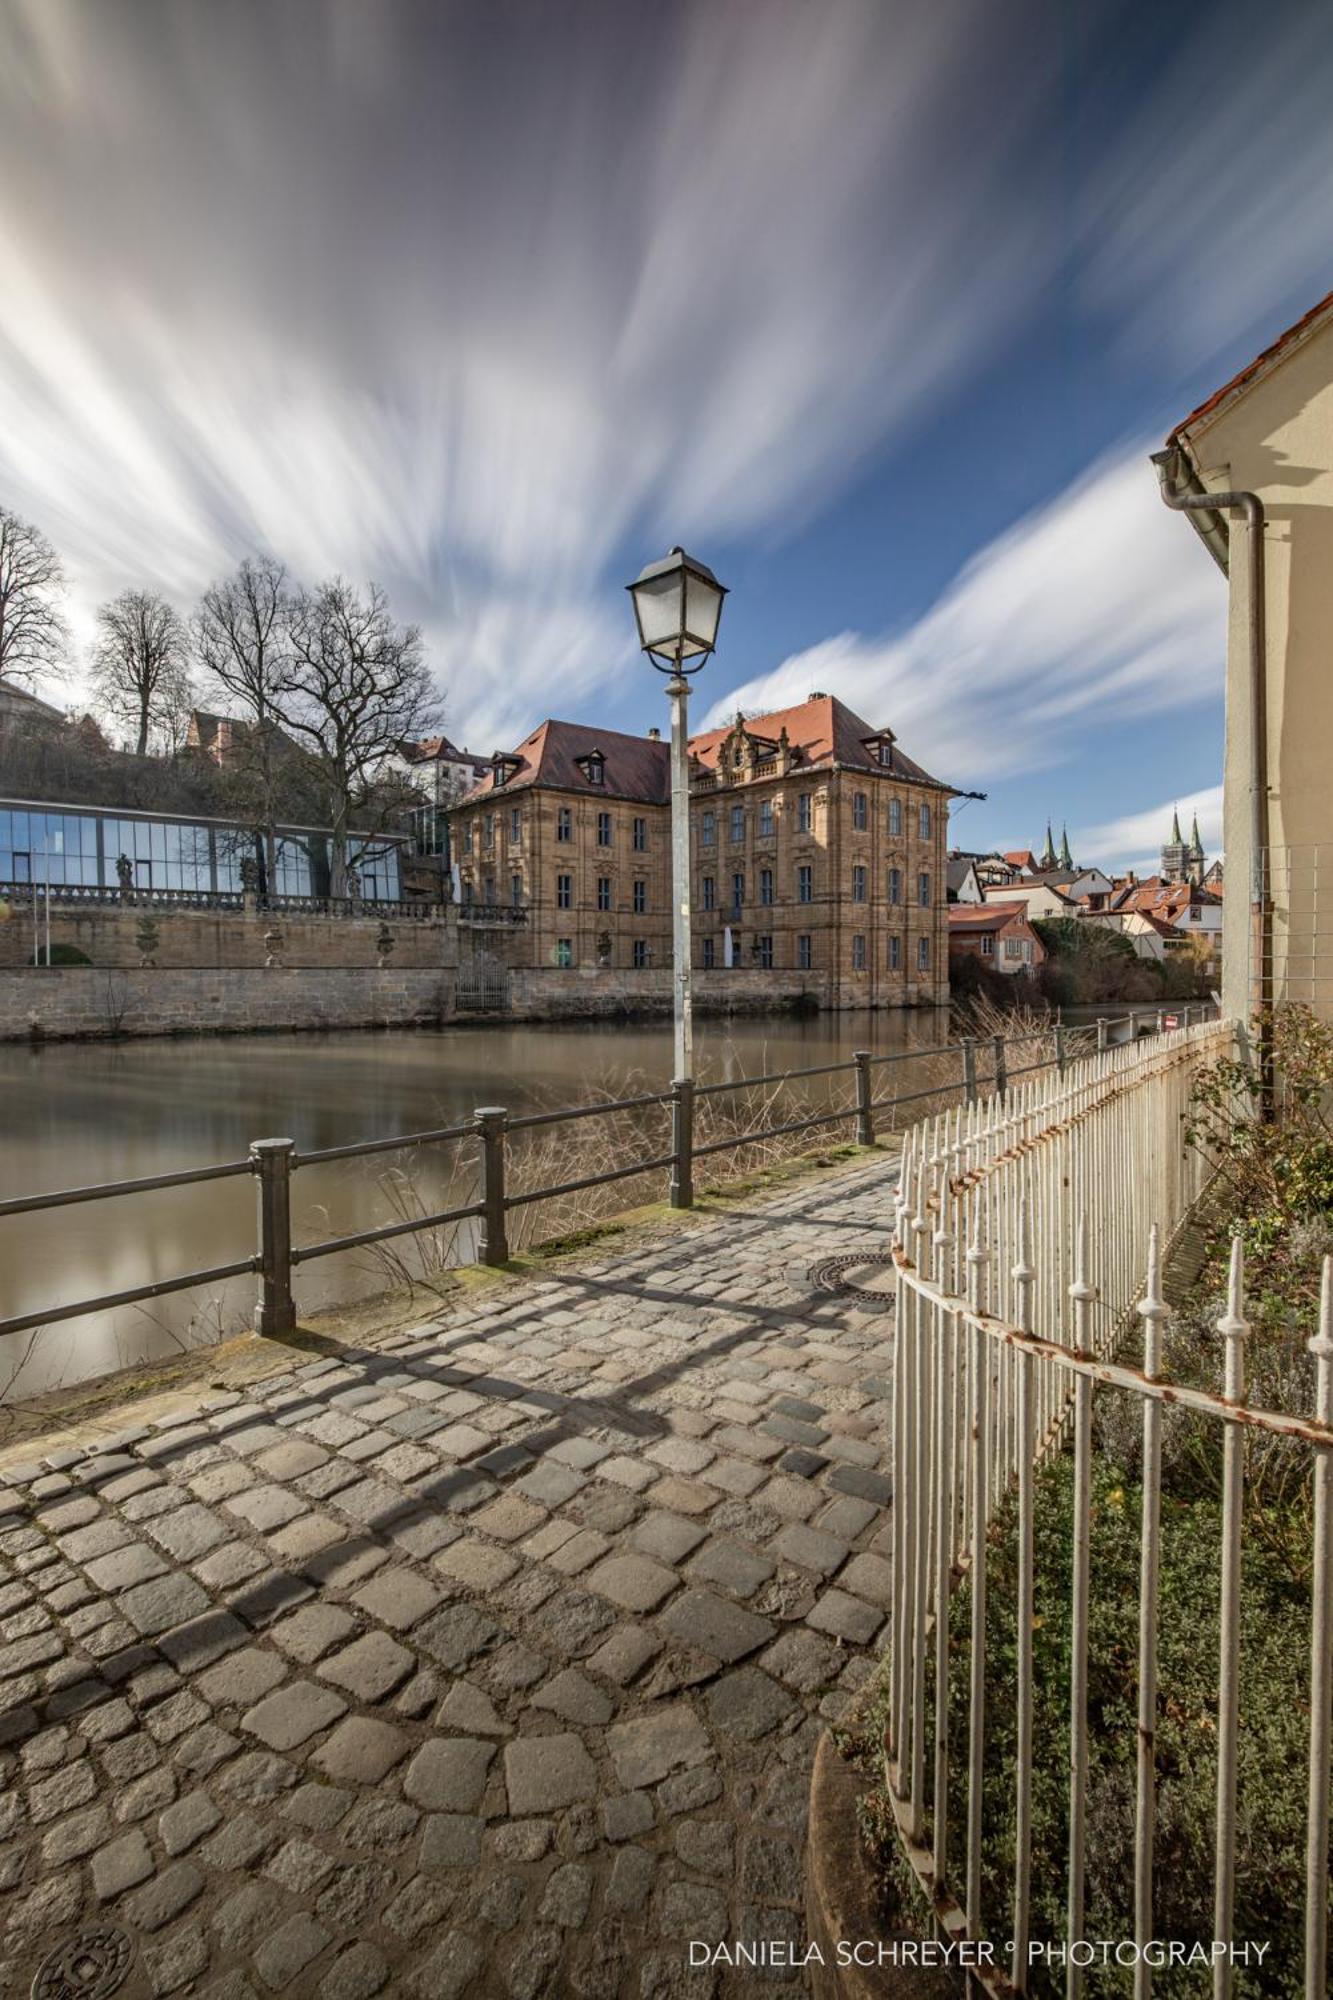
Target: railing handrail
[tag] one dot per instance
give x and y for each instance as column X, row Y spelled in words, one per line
column 274, row 1161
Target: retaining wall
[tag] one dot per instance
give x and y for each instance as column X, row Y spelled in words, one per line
column 79, row 1001
column 106, row 933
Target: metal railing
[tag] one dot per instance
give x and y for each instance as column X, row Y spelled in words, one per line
column 1023, row 1226
column 28, row 894
column 993, row 1064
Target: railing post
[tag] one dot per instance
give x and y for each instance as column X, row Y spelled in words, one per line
column 682, row 1142
column 1161, row 1020
column 865, row 1122
column 1001, row 1073
column 275, row 1308
column 491, row 1120
column 969, row 1069
column 1060, row 1057
column 1101, row 1033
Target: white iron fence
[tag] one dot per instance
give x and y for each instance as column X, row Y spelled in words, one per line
column 1024, row 1228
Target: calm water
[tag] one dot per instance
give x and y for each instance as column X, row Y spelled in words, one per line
column 95, row 1112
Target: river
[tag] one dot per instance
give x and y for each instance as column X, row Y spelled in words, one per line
column 80, row 1113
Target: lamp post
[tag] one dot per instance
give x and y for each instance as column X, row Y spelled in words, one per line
column 678, row 603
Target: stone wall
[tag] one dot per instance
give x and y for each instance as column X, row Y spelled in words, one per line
column 81, row 1001
column 210, row 939
column 589, row 991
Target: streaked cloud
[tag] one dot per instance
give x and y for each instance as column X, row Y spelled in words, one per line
column 1135, row 841
column 1094, row 610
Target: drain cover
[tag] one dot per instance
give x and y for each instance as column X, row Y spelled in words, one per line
column 833, row 1274
column 87, row 1966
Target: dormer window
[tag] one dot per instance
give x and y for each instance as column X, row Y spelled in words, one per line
column 880, row 747
column 593, row 767
column 503, row 769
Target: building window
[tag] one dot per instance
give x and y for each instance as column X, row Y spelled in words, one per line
column 766, row 820
column 859, row 811
column 858, row 953
column 710, row 892
column 923, row 822
column 640, row 898
column 737, row 825
column 564, row 892
column 708, row 830
column 490, row 890
column 488, row 832
column 1013, row 947
column 564, row 824
column 766, row 885
column 640, row 954
column 738, row 891
column 467, row 836
column 764, row 952
column 858, row 883
column 595, row 766
column 804, row 954
column 923, row 891
column 564, row 953
column 515, row 826
column 923, row 953
column 805, row 883
column 603, row 892
column 467, row 895
column 515, row 891
column 640, row 836
column 603, row 829
column 895, row 819
column 885, row 750
column 895, row 954
column 895, row 885
column 987, row 945
column 709, row 954
column 803, row 812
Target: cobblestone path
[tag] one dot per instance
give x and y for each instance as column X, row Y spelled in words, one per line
column 488, row 1661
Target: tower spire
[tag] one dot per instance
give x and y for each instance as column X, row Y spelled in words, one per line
column 1066, row 858
column 1175, row 826
column 1048, row 858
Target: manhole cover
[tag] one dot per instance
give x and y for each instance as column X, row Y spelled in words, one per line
column 86, row 1966
column 834, row 1275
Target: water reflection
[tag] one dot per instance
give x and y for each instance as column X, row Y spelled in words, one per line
column 93, row 1112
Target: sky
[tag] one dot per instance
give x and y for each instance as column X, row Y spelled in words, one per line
column 877, row 306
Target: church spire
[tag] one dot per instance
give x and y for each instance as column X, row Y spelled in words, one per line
column 1175, row 827
column 1048, row 855
column 1195, row 842
column 1066, row 858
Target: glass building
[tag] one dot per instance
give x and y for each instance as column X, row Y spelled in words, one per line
column 82, row 846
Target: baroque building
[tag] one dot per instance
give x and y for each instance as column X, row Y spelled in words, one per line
column 818, row 852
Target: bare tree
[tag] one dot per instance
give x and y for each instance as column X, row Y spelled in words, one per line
column 242, row 640
column 141, row 667
column 33, row 636
column 359, row 689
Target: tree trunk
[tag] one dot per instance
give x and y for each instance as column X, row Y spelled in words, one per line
column 143, row 726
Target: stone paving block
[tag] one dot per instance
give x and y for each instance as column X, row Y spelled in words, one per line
column 312, row 1631
column 267, row 1595
column 461, row 1441
column 625, row 1653
column 580, row 1552
column 747, row 1705
column 299, row 1867
column 318, row 1806
column 456, row 1635
column 135, row 1563
column 476, row 1564
column 290, row 1950
column 574, row 1697
column 70, row 1839
column 361, row 1751
column 187, row 1821
column 168, row 1600
column 121, row 1864
column 548, row 1773
column 677, row 1495
column 74, row 1786
column 162, row 1900
column 862, row 1484
column 370, row 1668
column 266, row 1507
column 636, row 1583
column 668, row 1538
column 358, row 1973
column 712, row 1625
column 471, row 1712
column 801, row 1464
column 451, row 1840
column 845, row 1617
column 550, row 1485
column 177, row 1960
column 810, row 1548
column 647, row 1749
column 870, row 1577
column 293, row 1714
column 630, row 1472
column 242, row 1678
column 730, row 1567
column 846, row 1518
column 509, row 1518
column 290, row 1460
column 448, row 1774
column 398, row 1598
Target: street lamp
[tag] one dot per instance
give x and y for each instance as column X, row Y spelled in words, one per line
column 678, row 603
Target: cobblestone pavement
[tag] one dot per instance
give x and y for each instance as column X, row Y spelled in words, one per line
column 488, row 1661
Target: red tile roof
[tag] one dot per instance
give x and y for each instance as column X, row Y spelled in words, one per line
column 984, row 916
column 1252, row 369
column 637, row 767
column 824, row 730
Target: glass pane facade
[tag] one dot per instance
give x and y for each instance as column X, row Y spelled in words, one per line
column 85, row 849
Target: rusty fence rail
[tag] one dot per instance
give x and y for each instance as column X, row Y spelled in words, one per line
column 988, row 1066
column 1024, row 1226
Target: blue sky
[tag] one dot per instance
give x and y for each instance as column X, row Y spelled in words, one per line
column 876, row 306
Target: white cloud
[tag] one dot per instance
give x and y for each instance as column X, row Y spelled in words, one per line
column 1141, row 834
column 1093, row 609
